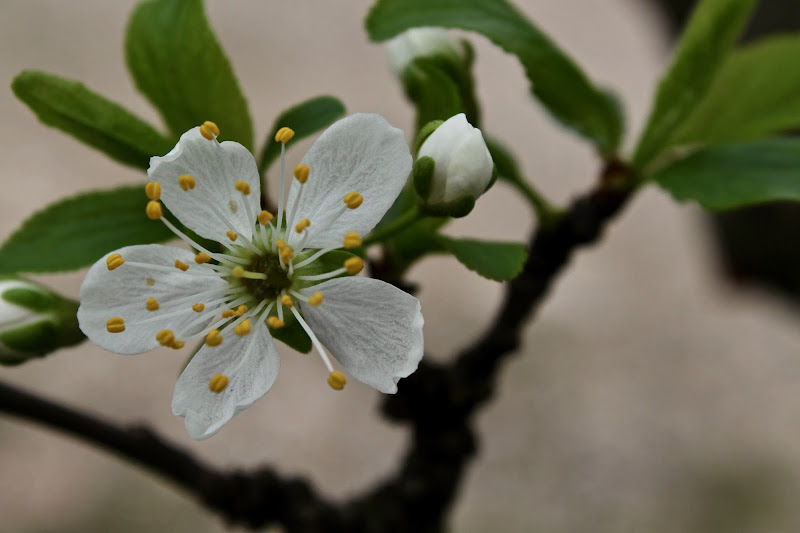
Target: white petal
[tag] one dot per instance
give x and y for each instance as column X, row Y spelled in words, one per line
column 470, row 168
column 123, row 292
column 372, row 328
column 205, row 411
column 214, row 206
column 361, row 153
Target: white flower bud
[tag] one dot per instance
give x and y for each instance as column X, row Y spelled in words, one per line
column 34, row 321
column 462, row 168
column 420, row 42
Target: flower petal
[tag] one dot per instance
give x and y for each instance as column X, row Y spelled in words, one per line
column 214, row 206
column 362, row 153
column 372, row 328
column 124, row 291
column 258, row 362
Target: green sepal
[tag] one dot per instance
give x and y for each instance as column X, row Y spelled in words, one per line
column 425, row 132
column 292, row 333
column 498, row 261
column 422, row 174
column 460, row 207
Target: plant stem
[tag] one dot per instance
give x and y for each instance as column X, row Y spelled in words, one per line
column 395, row 226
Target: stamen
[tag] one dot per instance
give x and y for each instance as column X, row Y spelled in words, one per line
column 186, row 182
column 353, row 200
column 213, row 338
column 243, row 187
column 176, row 345
column 354, row 265
column 286, row 300
column 113, row 261
column 153, row 190
column 240, row 272
column 181, row 265
column 303, row 224
column 153, row 210
column 228, row 313
column 201, row 258
column 301, row 172
column 280, row 244
column 115, row 325
column 284, row 135
column 314, row 340
column 326, row 275
column 228, row 260
column 243, row 328
column 351, row 240
column 151, row 304
column 275, row 322
column 198, row 307
column 286, row 255
column 265, row 217
column 231, row 235
column 315, row 299
column 209, row 130
column 336, row 380
column 218, row 383
column 165, row 337
column 242, row 309
column 314, row 257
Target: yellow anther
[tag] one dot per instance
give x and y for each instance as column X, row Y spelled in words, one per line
column 209, row 130
column 286, row 255
column 353, row 200
column 287, row 300
column 231, row 235
column 218, row 383
column 301, row 172
column 181, row 265
column 284, row 135
column 151, row 304
column 243, row 187
column 115, row 325
column 336, row 380
column 280, row 244
column 315, row 299
column 176, row 345
column 242, row 309
column 214, row 338
column 354, row 265
column 113, row 261
column 165, row 337
column 227, row 313
column 303, row 224
column 275, row 322
column 153, row 190
column 201, row 258
column 186, row 182
column 198, row 307
column 243, row 328
column 153, row 210
column 351, row 240
column 237, row 272
column 265, row 217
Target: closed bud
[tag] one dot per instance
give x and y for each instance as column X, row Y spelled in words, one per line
column 453, row 168
column 418, row 43
column 34, row 321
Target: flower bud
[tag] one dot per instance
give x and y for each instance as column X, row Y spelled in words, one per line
column 453, row 168
column 34, row 321
column 421, row 42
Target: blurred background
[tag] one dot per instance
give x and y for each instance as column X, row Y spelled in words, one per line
column 652, row 394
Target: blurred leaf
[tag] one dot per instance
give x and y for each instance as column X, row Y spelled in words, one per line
column 556, row 81
column 498, row 261
column 75, row 232
column 711, row 32
column 176, row 61
column 736, row 175
column 755, row 93
column 71, row 107
column 305, row 118
column 434, row 93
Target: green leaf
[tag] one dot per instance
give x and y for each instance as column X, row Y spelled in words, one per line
column 711, row 32
column 735, row 175
column 75, row 232
column 433, row 92
column 755, row 93
column 177, row 63
column 556, row 81
column 305, row 118
column 498, row 261
column 74, row 109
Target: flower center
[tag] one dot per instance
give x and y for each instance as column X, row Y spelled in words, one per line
column 276, row 279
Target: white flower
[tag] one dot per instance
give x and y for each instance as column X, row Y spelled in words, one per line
column 419, row 42
column 463, row 167
column 140, row 297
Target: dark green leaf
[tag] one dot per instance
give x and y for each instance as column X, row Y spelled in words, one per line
column 71, row 107
column 498, row 261
column 305, row 118
column 711, row 32
column 435, row 94
column 735, row 175
column 755, row 93
column 176, row 61
column 557, row 82
column 75, row 232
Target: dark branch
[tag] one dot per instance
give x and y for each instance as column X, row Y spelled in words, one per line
column 438, row 402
